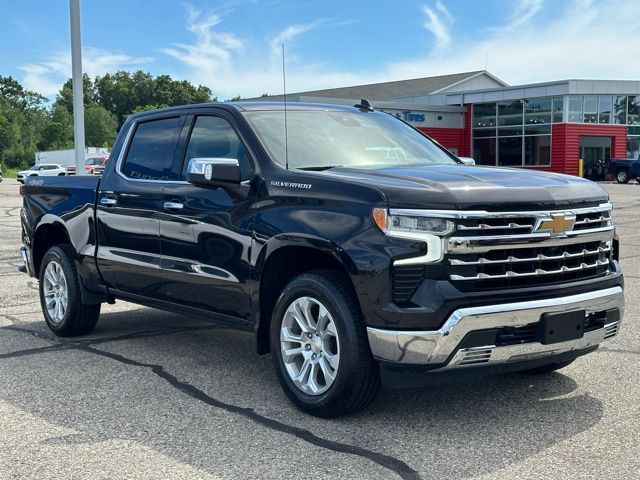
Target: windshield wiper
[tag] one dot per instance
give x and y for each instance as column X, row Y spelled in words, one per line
column 319, row 168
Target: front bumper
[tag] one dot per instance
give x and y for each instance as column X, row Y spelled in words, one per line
column 444, row 349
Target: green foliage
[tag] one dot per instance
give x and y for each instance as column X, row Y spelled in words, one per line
column 27, row 124
column 100, row 126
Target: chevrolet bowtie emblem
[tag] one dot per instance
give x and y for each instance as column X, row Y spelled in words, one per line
column 558, row 224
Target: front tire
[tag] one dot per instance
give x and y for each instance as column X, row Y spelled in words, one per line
column 60, row 297
column 622, row 176
column 319, row 346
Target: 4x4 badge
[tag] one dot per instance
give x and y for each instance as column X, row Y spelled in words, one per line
column 558, row 224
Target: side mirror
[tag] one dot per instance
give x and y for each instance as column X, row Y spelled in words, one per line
column 214, row 172
column 467, row 160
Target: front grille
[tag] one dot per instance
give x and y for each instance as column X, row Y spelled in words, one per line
column 503, row 250
column 509, row 268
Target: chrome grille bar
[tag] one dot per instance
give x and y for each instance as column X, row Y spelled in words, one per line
column 539, row 257
column 538, row 272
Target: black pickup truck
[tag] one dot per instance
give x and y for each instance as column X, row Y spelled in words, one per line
column 357, row 250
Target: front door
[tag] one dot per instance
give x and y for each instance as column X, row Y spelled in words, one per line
column 595, row 153
column 129, row 203
column 205, row 233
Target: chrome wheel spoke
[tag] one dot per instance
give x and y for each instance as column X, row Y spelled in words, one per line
column 309, row 345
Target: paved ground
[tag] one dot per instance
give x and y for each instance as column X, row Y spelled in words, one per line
column 155, row 395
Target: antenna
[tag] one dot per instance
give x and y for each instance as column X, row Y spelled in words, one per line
column 284, row 96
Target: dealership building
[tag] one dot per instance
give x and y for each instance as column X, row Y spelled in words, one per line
column 545, row 126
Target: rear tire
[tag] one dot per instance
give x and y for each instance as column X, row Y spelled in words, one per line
column 622, row 176
column 355, row 380
column 552, row 367
column 60, row 296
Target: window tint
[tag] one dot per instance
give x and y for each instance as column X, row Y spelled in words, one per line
column 150, row 155
column 213, row 137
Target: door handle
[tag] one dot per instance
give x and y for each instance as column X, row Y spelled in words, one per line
column 173, row 206
column 108, row 202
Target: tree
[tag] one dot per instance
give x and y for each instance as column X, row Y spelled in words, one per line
column 58, row 132
column 22, row 120
column 100, row 126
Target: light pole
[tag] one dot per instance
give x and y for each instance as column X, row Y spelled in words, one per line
column 77, row 83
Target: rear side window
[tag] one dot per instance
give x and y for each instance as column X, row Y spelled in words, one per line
column 150, row 155
column 214, row 137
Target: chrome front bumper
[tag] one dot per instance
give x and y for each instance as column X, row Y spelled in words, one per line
column 440, row 347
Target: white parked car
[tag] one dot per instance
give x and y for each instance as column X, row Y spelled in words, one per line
column 42, row 170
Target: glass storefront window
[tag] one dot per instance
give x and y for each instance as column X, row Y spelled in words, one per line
column 510, row 113
column 605, row 105
column 620, row 110
column 484, row 132
column 510, row 151
column 590, row 109
column 537, row 150
column 575, row 108
column 537, row 129
column 484, row 151
column 633, row 110
column 484, row 115
column 509, row 131
column 557, row 109
column 537, row 110
column 633, row 147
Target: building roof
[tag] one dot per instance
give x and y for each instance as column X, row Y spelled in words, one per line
column 395, row 89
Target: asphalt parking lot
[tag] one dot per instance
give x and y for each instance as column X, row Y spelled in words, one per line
column 156, row 395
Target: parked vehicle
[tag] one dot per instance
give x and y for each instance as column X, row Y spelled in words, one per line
column 95, row 165
column 625, row 169
column 42, row 170
column 351, row 268
column 1, row 175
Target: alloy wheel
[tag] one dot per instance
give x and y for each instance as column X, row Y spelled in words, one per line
column 309, row 345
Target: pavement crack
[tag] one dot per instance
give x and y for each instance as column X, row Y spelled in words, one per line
column 386, row 461
column 396, row 465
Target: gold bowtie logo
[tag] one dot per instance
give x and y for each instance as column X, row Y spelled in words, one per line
column 557, row 224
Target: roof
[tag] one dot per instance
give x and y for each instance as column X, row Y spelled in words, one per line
column 243, row 106
column 395, row 89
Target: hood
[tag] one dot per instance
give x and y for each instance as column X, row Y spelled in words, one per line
column 475, row 187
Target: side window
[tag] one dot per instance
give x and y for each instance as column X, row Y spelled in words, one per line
column 150, row 155
column 214, row 137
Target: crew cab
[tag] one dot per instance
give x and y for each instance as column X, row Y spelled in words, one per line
column 624, row 169
column 352, row 268
column 42, row 170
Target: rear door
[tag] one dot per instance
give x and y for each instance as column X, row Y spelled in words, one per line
column 205, row 232
column 129, row 202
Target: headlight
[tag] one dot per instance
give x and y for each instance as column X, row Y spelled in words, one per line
column 406, row 223
column 415, row 227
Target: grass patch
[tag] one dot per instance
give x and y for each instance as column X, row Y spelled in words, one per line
column 10, row 172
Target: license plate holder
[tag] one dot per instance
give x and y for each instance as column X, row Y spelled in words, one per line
column 561, row 327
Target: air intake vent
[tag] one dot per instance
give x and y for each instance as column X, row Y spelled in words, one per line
column 474, row 356
column 404, row 282
column 611, row 330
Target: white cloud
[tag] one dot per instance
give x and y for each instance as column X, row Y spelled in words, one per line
column 48, row 76
column 579, row 39
column 438, row 22
column 288, row 35
column 524, row 11
column 220, row 60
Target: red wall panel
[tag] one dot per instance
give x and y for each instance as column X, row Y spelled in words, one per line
column 565, row 143
column 448, row 138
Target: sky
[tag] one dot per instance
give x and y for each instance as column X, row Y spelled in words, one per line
column 234, row 47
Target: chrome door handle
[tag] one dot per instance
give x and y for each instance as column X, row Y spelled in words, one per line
column 108, row 202
column 173, row 205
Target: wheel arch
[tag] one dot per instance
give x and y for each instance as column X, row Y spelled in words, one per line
column 281, row 260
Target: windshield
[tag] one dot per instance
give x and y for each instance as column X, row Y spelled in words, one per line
column 320, row 138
